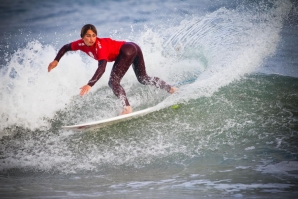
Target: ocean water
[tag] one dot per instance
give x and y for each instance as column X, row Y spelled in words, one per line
column 233, row 135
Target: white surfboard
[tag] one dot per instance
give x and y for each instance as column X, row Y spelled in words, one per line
column 106, row 122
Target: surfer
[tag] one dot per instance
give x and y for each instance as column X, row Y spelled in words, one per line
column 107, row 50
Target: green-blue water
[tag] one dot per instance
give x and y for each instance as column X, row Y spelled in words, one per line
column 234, row 134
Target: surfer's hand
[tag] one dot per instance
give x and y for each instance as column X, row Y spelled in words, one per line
column 52, row 65
column 173, row 90
column 85, row 89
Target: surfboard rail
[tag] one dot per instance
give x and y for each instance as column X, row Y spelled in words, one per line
column 107, row 122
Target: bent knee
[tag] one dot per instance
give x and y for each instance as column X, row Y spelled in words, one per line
column 111, row 84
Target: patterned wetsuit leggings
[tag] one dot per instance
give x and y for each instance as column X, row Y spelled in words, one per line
column 130, row 53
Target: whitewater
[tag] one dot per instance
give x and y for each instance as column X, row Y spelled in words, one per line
column 234, row 133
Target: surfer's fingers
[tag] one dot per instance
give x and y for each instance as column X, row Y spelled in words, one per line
column 83, row 92
column 84, row 89
column 52, row 65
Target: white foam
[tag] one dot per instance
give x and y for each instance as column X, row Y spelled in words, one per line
column 34, row 94
column 249, row 148
column 221, row 47
column 229, row 44
column 281, row 168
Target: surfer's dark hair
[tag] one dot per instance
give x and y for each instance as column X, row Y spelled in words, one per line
column 86, row 28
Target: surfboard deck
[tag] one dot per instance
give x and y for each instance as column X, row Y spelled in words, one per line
column 106, row 122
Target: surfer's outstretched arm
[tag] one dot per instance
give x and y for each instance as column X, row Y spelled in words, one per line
column 99, row 72
column 62, row 51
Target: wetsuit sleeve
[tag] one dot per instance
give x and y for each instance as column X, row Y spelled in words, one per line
column 99, row 72
column 62, row 51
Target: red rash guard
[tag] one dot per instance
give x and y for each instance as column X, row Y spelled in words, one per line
column 104, row 48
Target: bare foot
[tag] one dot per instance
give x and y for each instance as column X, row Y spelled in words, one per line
column 126, row 110
column 173, row 90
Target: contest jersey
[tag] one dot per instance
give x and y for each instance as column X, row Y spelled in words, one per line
column 104, row 48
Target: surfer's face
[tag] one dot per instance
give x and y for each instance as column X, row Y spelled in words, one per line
column 89, row 38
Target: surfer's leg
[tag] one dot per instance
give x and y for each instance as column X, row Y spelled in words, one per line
column 123, row 61
column 143, row 78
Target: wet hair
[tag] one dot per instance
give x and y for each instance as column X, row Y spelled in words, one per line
column 86, row 28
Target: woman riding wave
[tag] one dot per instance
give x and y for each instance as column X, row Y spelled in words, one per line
column 108, row 50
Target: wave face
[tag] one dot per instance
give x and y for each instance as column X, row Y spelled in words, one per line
column 235, row 129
